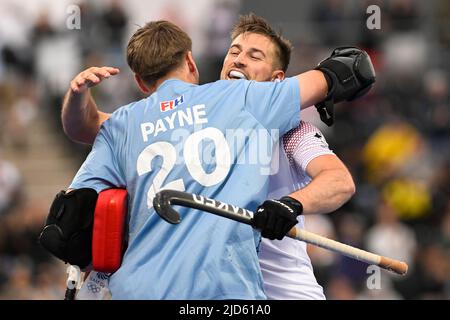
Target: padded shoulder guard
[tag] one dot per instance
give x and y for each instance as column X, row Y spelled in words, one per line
column 109, row 237
column 349, row 73
column 67, row 233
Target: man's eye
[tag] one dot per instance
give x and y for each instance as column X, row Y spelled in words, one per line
column 234, row 53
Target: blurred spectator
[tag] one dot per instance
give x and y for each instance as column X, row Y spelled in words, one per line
column 442, row 18
column 89, row 37
column 392, row 150
column 403, row 15
column 47, row 284
column 391, row 238
column 10, row 186
column 351, row 231
column 340, row 288
column 115, row 20
column 19, row 285
column 437, row 104
column 22, row 111
column 398, row 60
column 223, row 17
column 322, row 260
column 42, row 29
column 332, row 15
column 408, row 198
column 445, row 227
column 432, row 274
column 23, row 263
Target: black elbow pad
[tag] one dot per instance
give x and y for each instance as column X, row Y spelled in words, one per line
column 67, row 233
column 349, row 73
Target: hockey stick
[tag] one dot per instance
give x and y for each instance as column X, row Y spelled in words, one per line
column 165, row 199
column 73, row 282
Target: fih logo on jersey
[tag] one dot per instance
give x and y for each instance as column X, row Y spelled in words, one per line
column 171, row 104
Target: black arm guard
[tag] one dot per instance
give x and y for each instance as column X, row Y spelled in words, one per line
column 67, row 233
column 349, row 73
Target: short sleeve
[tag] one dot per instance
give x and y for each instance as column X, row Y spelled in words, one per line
column 100, row 170
column 304, row 143
column 276, row 105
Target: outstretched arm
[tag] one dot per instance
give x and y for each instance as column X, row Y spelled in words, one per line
column 313, row 88
column 80, row 116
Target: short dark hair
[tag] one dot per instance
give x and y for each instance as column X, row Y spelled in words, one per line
column 255, row 24
column 156, row 49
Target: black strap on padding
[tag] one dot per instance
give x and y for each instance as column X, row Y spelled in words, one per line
column 326, row 111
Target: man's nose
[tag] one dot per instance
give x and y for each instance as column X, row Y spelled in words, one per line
column 239, row 61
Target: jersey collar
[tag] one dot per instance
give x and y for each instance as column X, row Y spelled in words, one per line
column 168, row 82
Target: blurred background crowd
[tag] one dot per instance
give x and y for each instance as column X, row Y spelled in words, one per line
column 395, row 141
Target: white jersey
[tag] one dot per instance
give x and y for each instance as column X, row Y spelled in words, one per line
column 285, row 265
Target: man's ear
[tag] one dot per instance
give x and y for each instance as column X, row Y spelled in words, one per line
column 191, row 64
column 278, row 75
column 141, row 84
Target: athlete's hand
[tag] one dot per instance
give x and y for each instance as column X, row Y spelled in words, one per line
column 91, row 77
column 274, row 218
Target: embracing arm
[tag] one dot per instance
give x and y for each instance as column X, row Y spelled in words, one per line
column 313, row 88
column 331, row 186
column 80, row 116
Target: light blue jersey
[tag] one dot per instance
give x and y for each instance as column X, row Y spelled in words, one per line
column 202, row 140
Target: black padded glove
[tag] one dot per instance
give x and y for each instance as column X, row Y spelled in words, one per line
column 349, row 73
column 274, row 218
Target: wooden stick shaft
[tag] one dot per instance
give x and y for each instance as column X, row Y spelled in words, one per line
column 352, row 252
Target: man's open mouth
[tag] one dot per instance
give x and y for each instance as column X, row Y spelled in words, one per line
column 236, row 75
